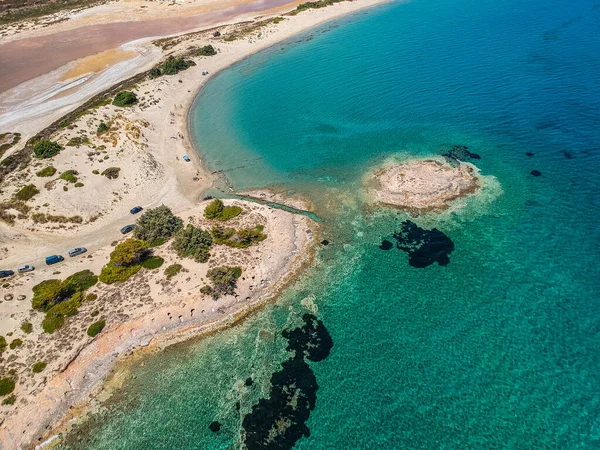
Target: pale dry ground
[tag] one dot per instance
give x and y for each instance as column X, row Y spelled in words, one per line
column 420, row 186
column 137, row 311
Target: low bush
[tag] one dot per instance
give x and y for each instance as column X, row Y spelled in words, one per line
column 46, row 149
column 111, row 173
column 207, row 50
column 7, row 385
column 10, row 400
column 38, row 367
column 157, row 223
column 173, row 270
column 125, row 98
column 27, row 327
column 154, row 262
column 69, row 176
column 192, row 242
column 16, row 343
column 217, row 210
column 55, row 316
column 27, row 193
column 78, row 141
column 102, row 128
column 46, row 172
column 80, row 281
column 49, row 293
column 111, row 274
column 96, row 328
column 224, row 281
column 174, row 65
column 3, row 344
column 78, row 185
column 46, row 218
column 243, row 238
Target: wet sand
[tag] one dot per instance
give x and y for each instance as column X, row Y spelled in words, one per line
column 25, row 59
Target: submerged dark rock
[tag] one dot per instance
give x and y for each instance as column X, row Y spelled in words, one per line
column 386, row 245
column 529, row 154
column 248, row 382
column 459, row 153
column 214, row 426
column 568, row 154
column 311, row 341
column 279, row 421
column 324, row 242
column 424, row 247
column 536, row 173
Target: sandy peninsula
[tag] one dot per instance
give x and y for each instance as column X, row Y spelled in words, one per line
column 77, row 201
column 420, row 186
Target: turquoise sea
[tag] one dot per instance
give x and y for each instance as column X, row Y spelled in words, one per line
column 500, row 348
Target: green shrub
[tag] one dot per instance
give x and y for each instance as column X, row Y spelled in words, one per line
column 102, row 128
column 7, row 385
column 78, row 185
column 46, row 149
column 243, row 238
column 173, row 270
column 111, row 173
column 224, row 281
column 129, row 252
column 16, row 343
column 207, row 50
column 46, row 172
column 125, row 98
column 49, row 293
column 155, row 72
column 216, row 210
column 192, row 242
column 157, row 223
column 10, row 400
column 69, row 176
column 38, row 367
column 27, row 192
column 55, row 316
column 117, row 274
column 46, row 294
column 154, row 262
column 91, row 297
column 79, row 281
column 173, row 65
column 3, row 344
column 96, row 328
column 78, row 141
column 27, row 327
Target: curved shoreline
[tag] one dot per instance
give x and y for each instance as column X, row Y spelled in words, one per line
column 62, row 397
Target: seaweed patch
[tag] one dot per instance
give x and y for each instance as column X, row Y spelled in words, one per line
column 459, row 153
column 279, row 421
column 424, row 247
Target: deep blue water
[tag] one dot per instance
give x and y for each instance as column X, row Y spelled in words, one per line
column 498, row 349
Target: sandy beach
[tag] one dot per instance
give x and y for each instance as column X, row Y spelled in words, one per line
column 146, row 143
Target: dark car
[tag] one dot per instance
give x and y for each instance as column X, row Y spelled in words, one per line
column 6, row 273
column 136, row 209
column 54, row 259
column 77, row 251
column 127, row 229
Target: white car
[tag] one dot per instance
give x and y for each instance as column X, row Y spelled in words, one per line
column 27, row 268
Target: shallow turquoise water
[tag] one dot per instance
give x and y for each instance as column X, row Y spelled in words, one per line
column 498, row 349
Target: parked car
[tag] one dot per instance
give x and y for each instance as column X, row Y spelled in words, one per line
column 186, row 158
column 54, row 259
column 77, row 251
column 27, row 268
column 6, row 273
column 136, row 209
column 127, row 229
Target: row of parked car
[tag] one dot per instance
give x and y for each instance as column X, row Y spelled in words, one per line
column 54, row 259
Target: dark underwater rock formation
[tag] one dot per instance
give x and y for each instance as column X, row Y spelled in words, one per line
column 459, row 153
column 424, row 247
column 529, row 154
column 386, row 245
column 214, row 426
column 278, row 422
column 536, row 173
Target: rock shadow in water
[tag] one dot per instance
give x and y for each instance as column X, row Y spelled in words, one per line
column 424, row 247
column 459, row 153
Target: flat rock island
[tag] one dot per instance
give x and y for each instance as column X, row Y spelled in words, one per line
column 421, row 186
